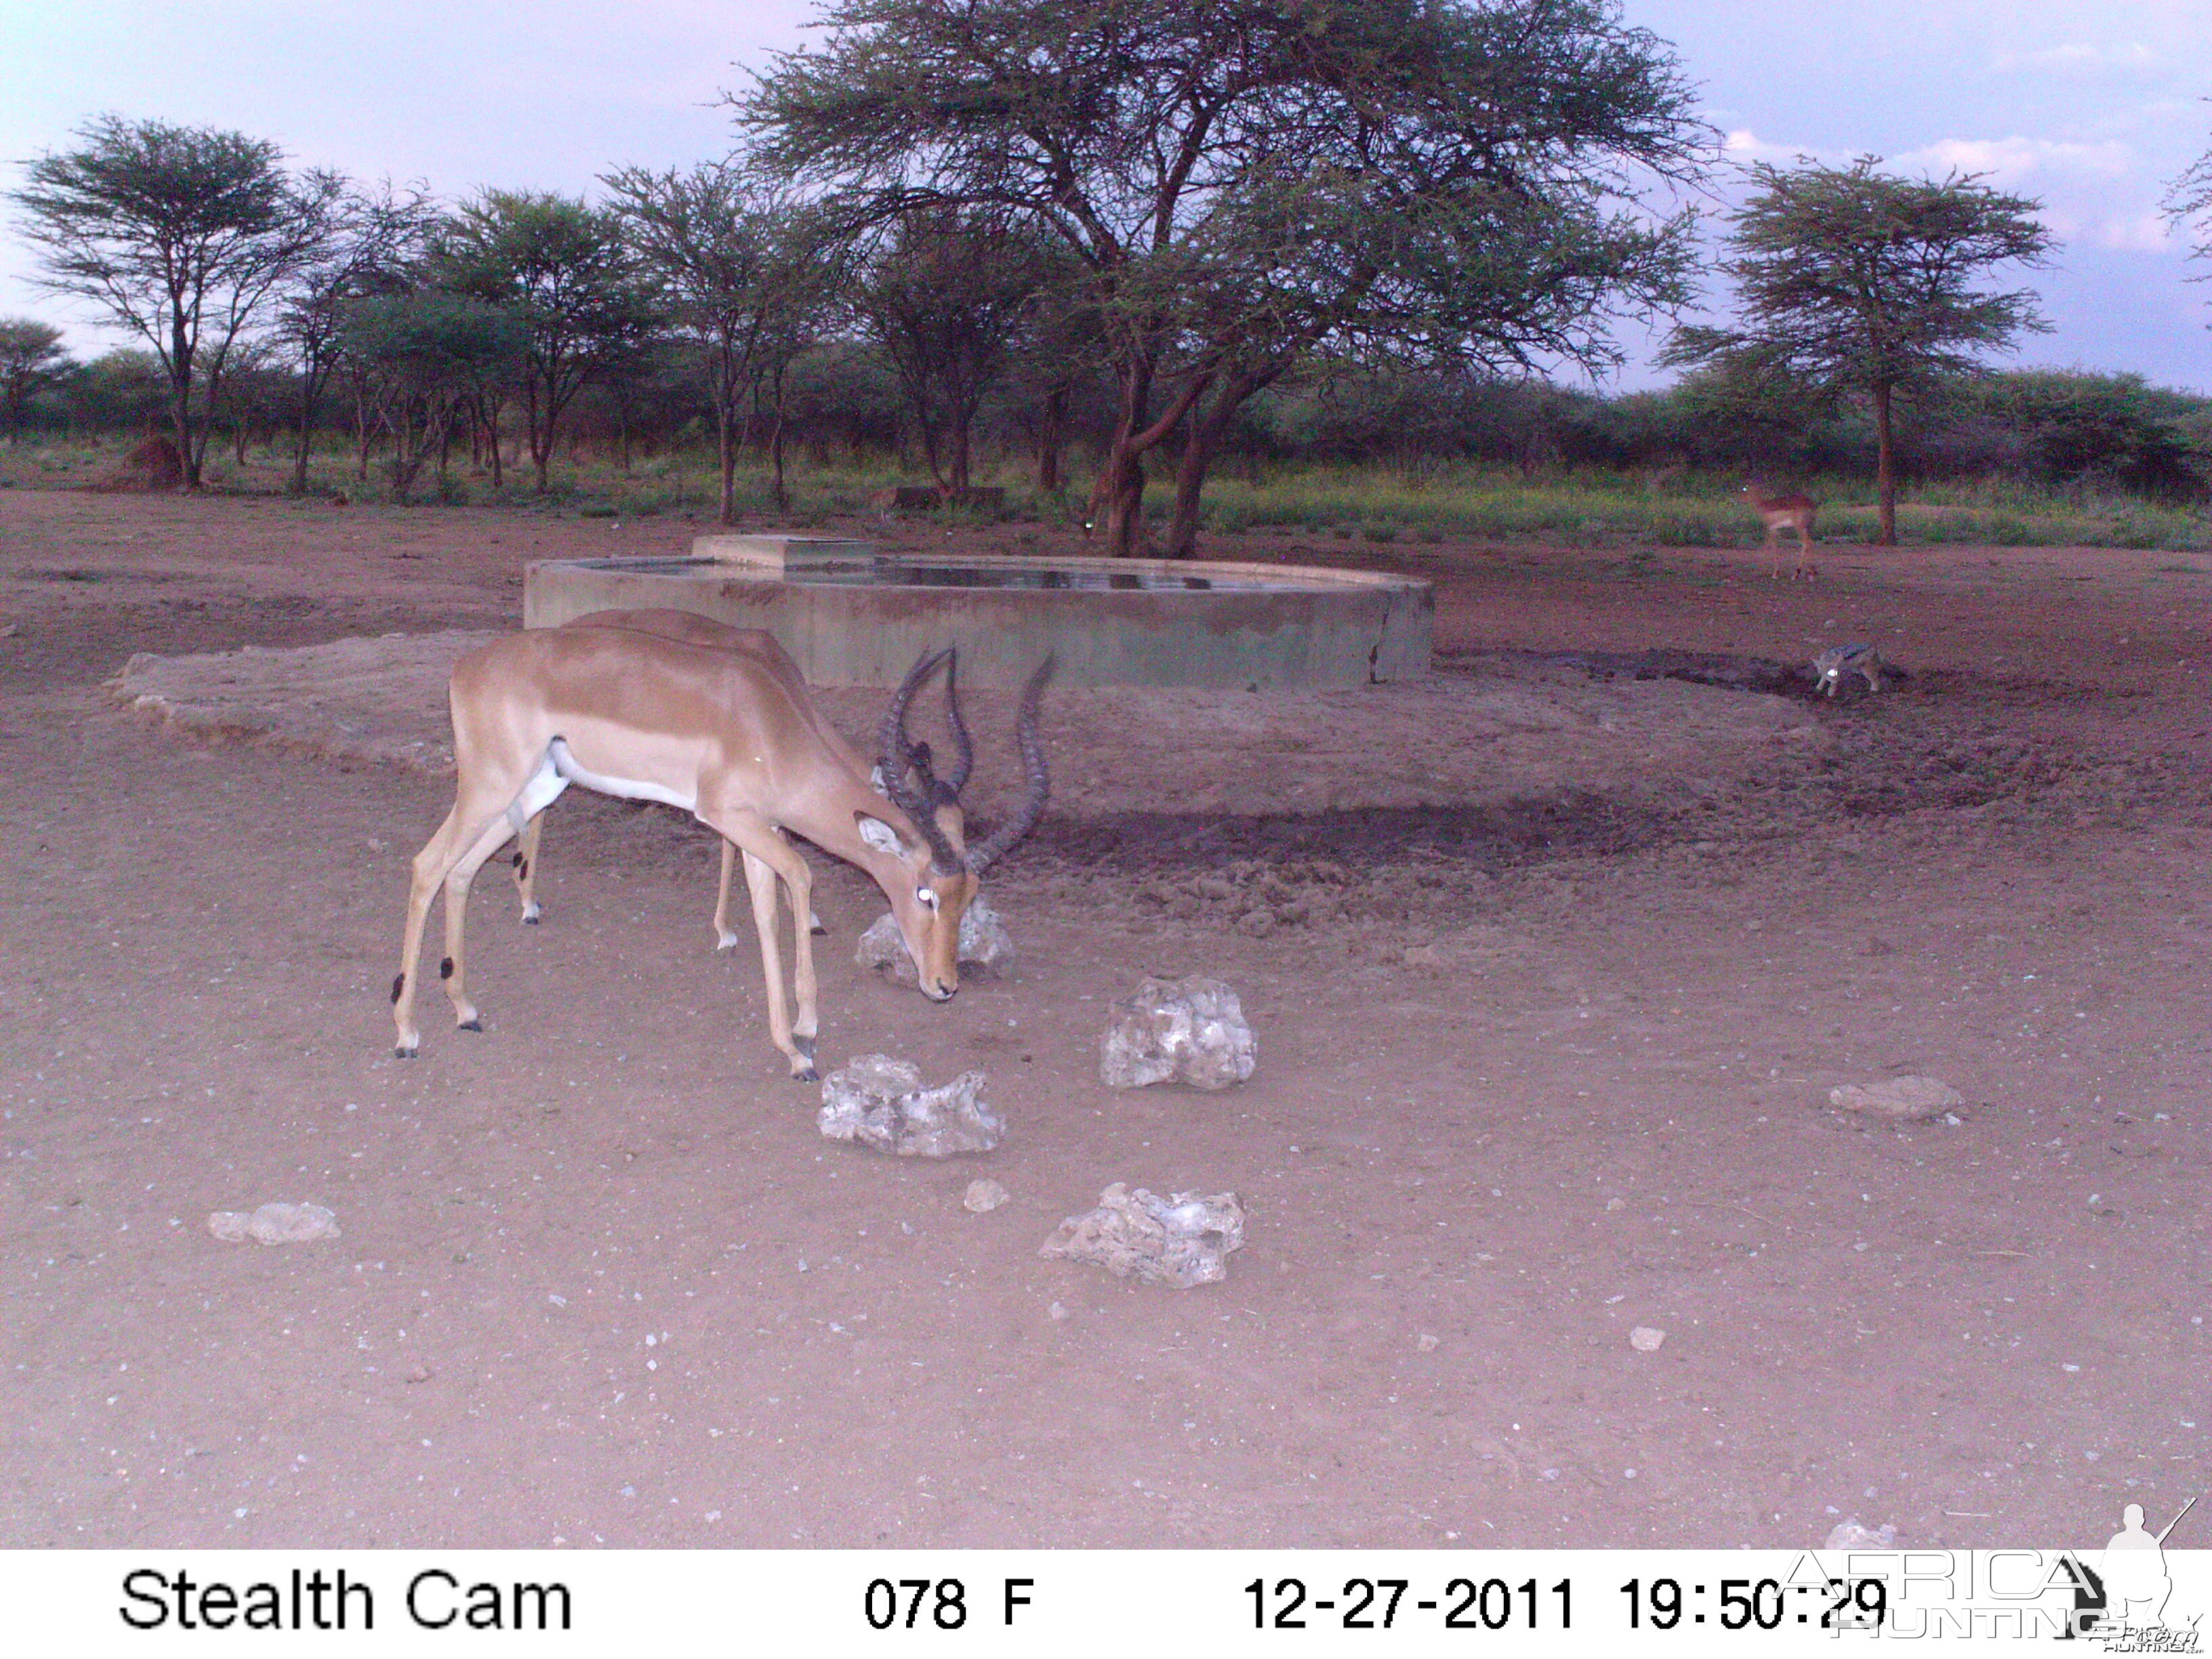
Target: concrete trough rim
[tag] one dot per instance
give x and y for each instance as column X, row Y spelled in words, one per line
column 1269, row 627
column 1279, row 578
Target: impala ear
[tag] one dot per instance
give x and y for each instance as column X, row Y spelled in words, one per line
column 881, row 836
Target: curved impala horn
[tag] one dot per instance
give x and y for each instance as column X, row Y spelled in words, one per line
column 1031, row 740
column 899, row 757
column 964, row 761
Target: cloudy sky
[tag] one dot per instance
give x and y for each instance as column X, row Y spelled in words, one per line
column 2090, row 105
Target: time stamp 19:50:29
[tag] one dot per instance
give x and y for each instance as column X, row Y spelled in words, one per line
column 1495, row 1604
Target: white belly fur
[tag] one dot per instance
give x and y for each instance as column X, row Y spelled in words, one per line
column 560, row 762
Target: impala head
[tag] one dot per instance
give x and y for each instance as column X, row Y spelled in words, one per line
column 940, row 876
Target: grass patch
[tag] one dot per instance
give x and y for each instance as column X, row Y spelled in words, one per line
column 1376, row 505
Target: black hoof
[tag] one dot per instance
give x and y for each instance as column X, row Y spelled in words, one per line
column 809, row 1075
column 471, row 1025
column 530, row 922
column 404, row 1053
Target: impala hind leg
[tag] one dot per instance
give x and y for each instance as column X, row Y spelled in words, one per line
column 725, row 939
column 526, row 867
column 468, row 824
column 452, row 969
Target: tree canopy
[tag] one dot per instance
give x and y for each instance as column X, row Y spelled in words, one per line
column 181, row 236
column 1853, row 281
column 1250, row 183
column 31, row 356
column 561, row 268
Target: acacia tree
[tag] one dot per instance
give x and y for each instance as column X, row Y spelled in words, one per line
column 2189, row 209
column 31, row 357
column 1856, row 283
column 425, row 356
column 182, row 235
column 562, row 269
column 943, row 295
column 376, row 239
column 803, row 279
column 1250, row 182
column 709, row 238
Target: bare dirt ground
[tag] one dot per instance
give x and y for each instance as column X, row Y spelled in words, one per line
column 1547, row 1014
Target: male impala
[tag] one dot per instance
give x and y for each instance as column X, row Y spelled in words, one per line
column 760, row 645
column 733, row 741
column 1794, row 511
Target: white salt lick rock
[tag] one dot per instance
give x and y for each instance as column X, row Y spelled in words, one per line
column 879, row 1101
column 1182, row 1241
column 984, row 944
column 1900, row 1099
column 275, row 1224
column 1192, row 1029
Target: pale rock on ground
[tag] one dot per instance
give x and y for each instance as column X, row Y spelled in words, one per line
column 1902, row 1099
column 880, row 1102
column 275, row 1224
column 1191, row 1029
column 1646, row 1339
column 982, row 1197
column 1850, row 1535
column 1182, row 1241
column 984, row 942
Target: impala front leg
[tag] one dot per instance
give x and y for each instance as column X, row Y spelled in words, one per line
column 768, row 855
column 761, row 878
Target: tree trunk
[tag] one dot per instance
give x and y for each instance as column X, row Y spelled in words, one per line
column 494, row 409
column 181, row 413
column 1052, row 421
column 307, row 390
column 776, row 448
column 1117, row 497
column 180, row 392
column 360, row 431
column 725, row 457
column 955, row 469
column 1886, row 468
column 1203, row 440
column 541, row 441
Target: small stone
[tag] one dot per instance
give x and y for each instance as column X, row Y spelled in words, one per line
column 1258, row 923
column 418, row 1372
column 1428, row 1341
column 1644, row 1339
column 984, row 944
column 879, row 1101
column 1898, row 1099
column 1182, row 1241
column 1613, row 1205
column 1058, row 1312
column 1192, row 1029
column 275, row 1224
column 1849, row 1535
column 982, row 1197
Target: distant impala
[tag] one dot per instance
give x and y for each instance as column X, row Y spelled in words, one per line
column 1776, row 510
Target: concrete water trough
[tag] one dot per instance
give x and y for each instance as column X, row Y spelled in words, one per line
column 852, row 616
